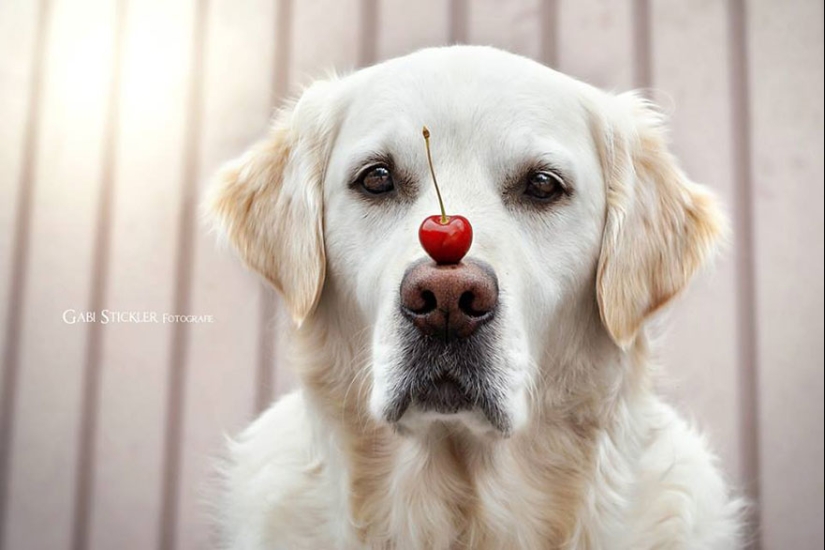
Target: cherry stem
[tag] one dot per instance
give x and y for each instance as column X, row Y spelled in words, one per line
column 426, row 133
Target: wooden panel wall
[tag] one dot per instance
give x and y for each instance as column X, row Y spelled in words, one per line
column 784, row 57
column 116, row 113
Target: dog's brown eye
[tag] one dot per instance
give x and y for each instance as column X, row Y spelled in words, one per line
column 543, row 186
column 377, row 180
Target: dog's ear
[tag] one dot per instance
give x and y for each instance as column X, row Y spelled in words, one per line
column 269, row 202
column 660, row 227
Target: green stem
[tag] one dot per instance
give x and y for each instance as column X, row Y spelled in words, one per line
column 426, row 133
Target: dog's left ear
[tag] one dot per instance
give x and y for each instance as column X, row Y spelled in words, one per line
column 270, row 200
column 660, row 227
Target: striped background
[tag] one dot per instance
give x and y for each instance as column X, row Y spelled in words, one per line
column 113, row 114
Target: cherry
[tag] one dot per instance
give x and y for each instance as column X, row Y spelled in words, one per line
column 446, row 243
column 445, row 238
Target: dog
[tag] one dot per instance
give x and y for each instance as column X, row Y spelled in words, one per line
column 504, row 402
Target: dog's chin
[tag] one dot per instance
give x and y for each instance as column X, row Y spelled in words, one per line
column 447, row 401
column 420, row 422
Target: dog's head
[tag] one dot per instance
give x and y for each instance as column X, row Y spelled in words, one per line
column 583, row 227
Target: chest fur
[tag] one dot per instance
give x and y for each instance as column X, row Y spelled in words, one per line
column 447, row 496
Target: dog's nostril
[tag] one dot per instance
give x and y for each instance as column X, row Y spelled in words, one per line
column 466, row 303
column 428, row 303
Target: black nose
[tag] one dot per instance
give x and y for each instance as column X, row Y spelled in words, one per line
column 449, row 301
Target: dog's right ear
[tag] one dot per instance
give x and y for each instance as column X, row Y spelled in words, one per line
column 660, row 227
column 270, row 200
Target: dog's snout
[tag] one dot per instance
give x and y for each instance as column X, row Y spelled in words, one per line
column 449, row 301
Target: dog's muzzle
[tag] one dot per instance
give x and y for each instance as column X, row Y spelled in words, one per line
column 450, row 341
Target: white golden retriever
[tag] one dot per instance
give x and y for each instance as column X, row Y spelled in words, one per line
column 505, row 402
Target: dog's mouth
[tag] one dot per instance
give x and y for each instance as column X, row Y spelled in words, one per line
column 445, row 395
column 449, row 378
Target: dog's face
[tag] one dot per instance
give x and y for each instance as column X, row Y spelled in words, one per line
column 583, row 226
column 514, row 154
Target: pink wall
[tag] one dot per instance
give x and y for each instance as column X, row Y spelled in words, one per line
column 114, row 114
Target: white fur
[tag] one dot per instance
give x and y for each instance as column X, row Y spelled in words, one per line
column 595, row 460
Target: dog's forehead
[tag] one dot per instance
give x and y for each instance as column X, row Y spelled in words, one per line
column 468, row 92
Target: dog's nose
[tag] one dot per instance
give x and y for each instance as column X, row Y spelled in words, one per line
column 449, row 301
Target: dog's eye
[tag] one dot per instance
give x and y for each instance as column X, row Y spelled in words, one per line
column 543, row 186
column 377, row 180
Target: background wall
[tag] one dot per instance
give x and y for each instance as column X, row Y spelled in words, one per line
column 113, row 114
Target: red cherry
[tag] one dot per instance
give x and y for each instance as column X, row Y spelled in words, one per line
column 445, row 238
column 446, row 243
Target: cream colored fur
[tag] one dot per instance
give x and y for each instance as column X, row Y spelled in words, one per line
column 595, row 460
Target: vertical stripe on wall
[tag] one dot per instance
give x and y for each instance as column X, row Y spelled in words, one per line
column 180, row 341
column 20, row 259
column 745, row 267
column 99, row 280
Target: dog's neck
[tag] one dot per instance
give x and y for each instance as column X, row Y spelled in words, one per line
column 447, row 484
